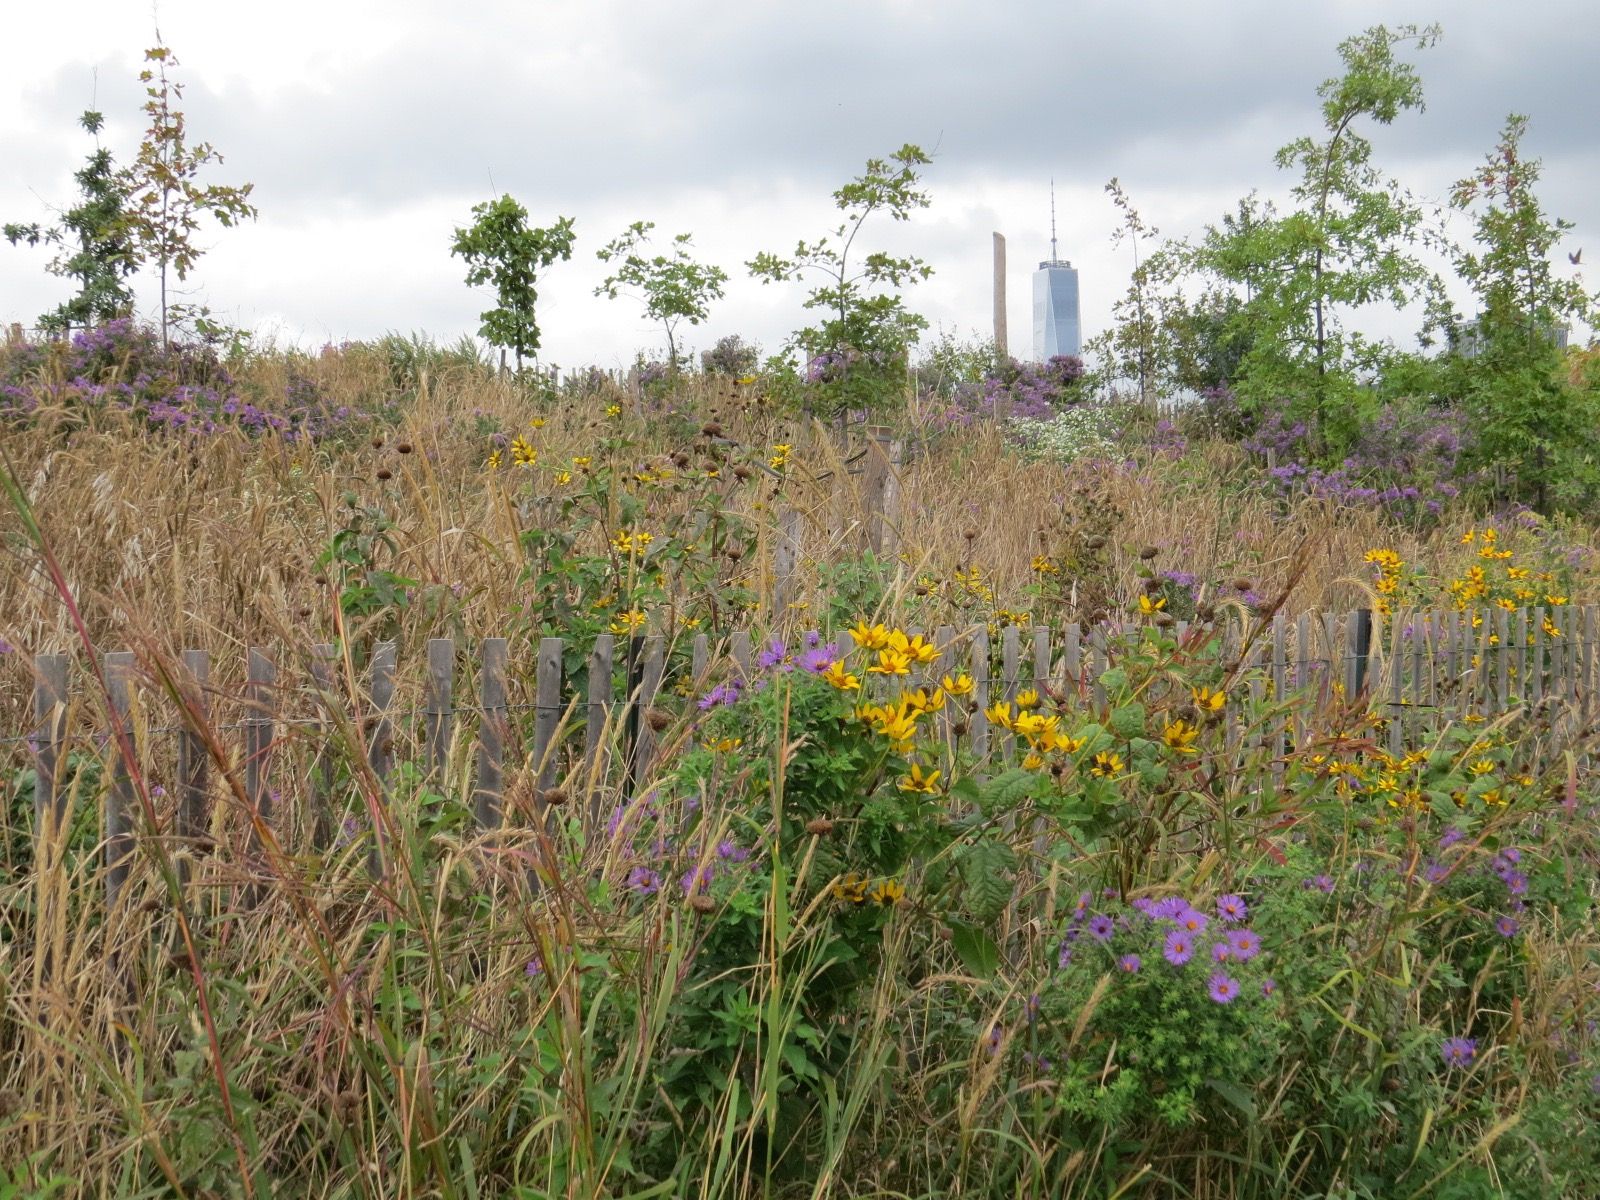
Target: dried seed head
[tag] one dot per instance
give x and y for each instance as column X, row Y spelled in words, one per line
column 1096, row 542
column 403, row 447
column 922, row 589
column 711, row 429
column 303, row 612
column 555, row 797
column 970, row 534
column 819, row 826
column 742, row 472
column 384, row 474
column 702, row 904
column 734, row 553
column 1165, row 619
column 680, row 459
column 1148, row 553
column 658, row 719
column 1243, row 584
column 959, row 727
column 377, row 442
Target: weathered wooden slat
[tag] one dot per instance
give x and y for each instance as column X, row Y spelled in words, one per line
column 439, row 715
column 380, row 748
column 119, row 842
column 260, row 700
column 786, row 562
column 547, row 711
column 644, row 747
column 1396, row 682
column 50, row 719
column 194, row 761
column 979, row 667
column 597, row 722
column 323, row 657
column 1536, row 656
column 1042, row 680
column 1502, row 666
column 494, row 731
column 699, row 660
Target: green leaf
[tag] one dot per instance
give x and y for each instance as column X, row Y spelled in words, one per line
column 1236, row 1095
column 975, row 948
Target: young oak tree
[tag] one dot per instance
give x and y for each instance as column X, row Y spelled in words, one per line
column 164, row 197
column 1534, row 427
column 673, row 287
column 1347, row 244
column 867, row 332
column 502, row 250
column 93, row 243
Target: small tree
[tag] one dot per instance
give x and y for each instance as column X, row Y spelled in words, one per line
column 673, row 287
column 165, row 201
column 868, row 332
column 93, row 240
column 1347, row 244
column 500, row 249
column 1532, row 423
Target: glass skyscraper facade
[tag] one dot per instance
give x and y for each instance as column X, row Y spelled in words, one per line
column 1056, row 327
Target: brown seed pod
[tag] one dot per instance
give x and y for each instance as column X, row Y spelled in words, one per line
column 403, row 447
column 377, row 442
column 819, row 826
column 1243, row 584
column 970, row 534
column 741, row 472
column 303, row 612
column 680, row 459
column 1096, row 542
column 711, row 429
column 702, row 904
column 555, row 797
column 1154, row 583
column 658, row 719
column 384, row 474
column 1165, row 619
column 1205, row 612
column 922, row 589
column 959, row 727
column 1148, row 553
column 734, row 553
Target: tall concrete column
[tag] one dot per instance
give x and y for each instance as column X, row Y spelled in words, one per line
column 1000, row 294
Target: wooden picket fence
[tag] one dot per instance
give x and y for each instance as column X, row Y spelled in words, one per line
column 1415, row 669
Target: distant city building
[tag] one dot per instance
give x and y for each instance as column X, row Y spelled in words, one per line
column 1057, row 328
column 1466, row 338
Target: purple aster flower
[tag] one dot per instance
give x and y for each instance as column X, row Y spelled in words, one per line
column 1222, row 989
column 775, row 654
column 697, row 879
column 1450, row 837
column 1268, row 986
column 1101, row 927
column 1231, row 908
column 1506, row 927
column 1030, row 1009
column 1517, row 883
column 534, row 967
column 644, row 881
column 1146, row 906
column 1193, row 920
column 1244, row 943
column 731, row 851
column 1170, row 908
column 992, row 1042
column 1321, row 883
column 1065, row 956
column 1179, row 948
column 1221, row 952
column 1130, row 963
column 1434, row 872
column 1459, row 1051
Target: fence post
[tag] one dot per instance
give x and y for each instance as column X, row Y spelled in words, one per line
column 50, row 711
column 601, row 695
column 881, row 489
column 119, row 800
column 1360, row 633
column 786, row 561
column 493, row 728
column 260, row 678
column 323, row 655
column 194, row 763
column 380, row 749
column 439, row 716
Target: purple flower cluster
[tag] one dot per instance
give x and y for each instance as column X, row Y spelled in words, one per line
column 1034, row 391
column 179, row 388
column 1176, row 928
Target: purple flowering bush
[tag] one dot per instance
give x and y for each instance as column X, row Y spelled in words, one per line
column 121, row 367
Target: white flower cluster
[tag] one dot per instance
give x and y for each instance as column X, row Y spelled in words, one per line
column 1069, row 435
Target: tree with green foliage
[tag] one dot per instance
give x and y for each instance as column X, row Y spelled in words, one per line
column 673, row 287
column 1349, row 242
column 1534, row 427
column 164, row 197
column 865, row 339
column 502, row 250
column 93, row 243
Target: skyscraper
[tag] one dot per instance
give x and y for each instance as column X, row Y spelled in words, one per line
column 1056, row 326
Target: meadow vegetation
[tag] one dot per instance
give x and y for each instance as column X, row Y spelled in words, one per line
column 868, row 924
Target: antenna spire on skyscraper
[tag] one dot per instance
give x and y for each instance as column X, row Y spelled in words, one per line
column 1053, row 255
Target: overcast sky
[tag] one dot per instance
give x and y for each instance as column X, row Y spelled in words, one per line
column 370, row 129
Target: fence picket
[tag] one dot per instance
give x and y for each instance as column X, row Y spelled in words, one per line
column 119, row 800
column 493, row 732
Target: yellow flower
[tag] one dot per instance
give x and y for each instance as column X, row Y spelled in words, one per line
column 891, row 662
column 1208, row 701
column 563, row 478
column 1106, row 764
column 1550, row 628
column 493, row 462
column 1493, row 797
column 723, row 745
column 631, row 543
column 888, row 893
column 628, row 622
column 523, row 453
column 1468, row 536
column 870, row 637
column 851, row 888
column 923, row 701
column 745, row 380
column 961, row 685
column 1150, row 607
column 613, row 410
column 1516, row 573
column 537, row 423
column 1482, row 766
column 918, row 781
column 999, row 713
column 920, row 650
column 1043, row 565
column 581, row 461
column 1028, row 698
column 1033, row 725
column 840, row 678
column 1063, row 743
column 1180, row 736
